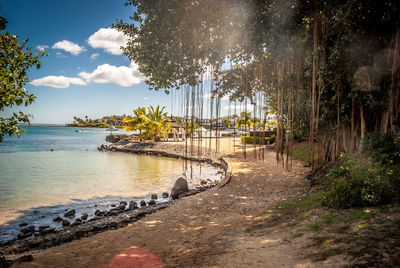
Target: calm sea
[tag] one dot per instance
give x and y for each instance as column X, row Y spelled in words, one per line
column 37, row 184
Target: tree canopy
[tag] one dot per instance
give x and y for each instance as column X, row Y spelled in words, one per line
column 329, row 68
column 16, row 59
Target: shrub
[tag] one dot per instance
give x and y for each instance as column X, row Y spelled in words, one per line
column 360, row 181
column 382, row 147
column 250, row 139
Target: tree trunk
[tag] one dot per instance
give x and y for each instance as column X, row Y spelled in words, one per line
column 313, row 85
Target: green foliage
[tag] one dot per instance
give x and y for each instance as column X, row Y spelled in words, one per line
column 250, row 139
column 151, row 125
column 382, row 147
column 360, row 181
column 104, row 122
column 16, row 59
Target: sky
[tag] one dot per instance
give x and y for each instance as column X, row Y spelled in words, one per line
column 85, row 72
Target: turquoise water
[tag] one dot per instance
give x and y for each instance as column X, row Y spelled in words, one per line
column 37, row 184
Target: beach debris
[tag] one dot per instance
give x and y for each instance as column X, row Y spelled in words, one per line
column 22, row 224
column 142, row 203
column 65, row 223
column 70, row 213
column 51, row 149
column 180, row 187
column 29, row 229
column 132, row 205
column 58, row 218
column 152, row 202
column 165, row 195
column 154, row 196
column 84, row 216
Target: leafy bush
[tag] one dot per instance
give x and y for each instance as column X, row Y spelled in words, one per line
column 382, row 147
column 250, row 139
column 360, row 181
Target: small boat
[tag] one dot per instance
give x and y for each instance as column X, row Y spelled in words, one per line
column 78, row 130
column 111, row 129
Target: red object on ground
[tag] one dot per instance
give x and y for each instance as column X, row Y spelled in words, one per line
column 137, row 258
column 51, row 149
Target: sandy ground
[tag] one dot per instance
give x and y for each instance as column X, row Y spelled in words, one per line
column 216, row 228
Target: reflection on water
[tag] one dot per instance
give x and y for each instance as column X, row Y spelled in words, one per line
column 32, row 179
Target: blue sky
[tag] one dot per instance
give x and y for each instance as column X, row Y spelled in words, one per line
column 85, row 72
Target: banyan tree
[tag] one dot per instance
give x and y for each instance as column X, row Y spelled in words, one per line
column 329, row 70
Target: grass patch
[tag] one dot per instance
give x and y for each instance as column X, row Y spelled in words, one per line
column 296, row 235
column 326, row 253
column 328, row 218
column 315, row 227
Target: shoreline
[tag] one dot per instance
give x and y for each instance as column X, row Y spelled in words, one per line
column 15, row 250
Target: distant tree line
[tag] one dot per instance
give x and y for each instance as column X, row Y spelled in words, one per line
column 104, row 122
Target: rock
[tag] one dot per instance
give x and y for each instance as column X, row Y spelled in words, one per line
column 142, row 203
column 152, row 202
column 76, row 223
column 78, row 220
column 84, row 216
column 123, row 203
column 43, row 227
column 65, row 223
column 22, row 236
column 154, row 196
column 29, row 229
column 203, row 182
column 180, row 187
column 46, row 231
column 22, row 224
column 113, row 205
column 25, row 258
column 165, row 195
column 95, row 218
column 121, row 206
column 70, row 213
column 132, row 205
column 57, row 219
column 97, row 212
column 115, row 212
column 116, row 138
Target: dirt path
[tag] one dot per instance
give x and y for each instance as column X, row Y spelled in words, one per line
column 216, row 228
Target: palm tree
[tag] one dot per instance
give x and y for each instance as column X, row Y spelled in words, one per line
column 244, row 119
column 136, row 122
column 155, row 123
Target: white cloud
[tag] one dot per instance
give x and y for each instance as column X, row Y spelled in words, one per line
column 94, row 56
column 122, row 75
column 60, row 55
column 58, row 81
column 108, row 39
column 42, row 47
column 69, row 46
